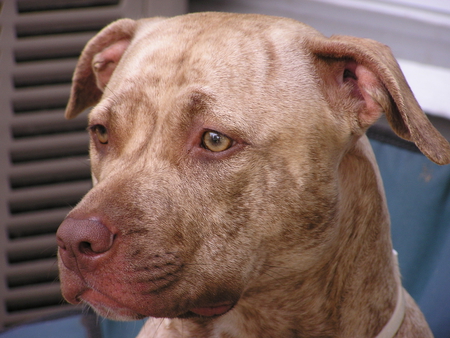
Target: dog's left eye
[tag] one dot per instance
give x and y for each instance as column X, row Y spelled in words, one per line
column 215, row 141
column 101, row 132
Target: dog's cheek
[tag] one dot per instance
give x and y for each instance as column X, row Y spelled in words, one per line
column 250, row 209
column 209, row 219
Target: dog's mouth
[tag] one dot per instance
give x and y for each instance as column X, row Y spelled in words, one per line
column 212, row 311
column 108, row 306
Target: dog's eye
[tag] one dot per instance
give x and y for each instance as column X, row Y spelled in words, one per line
column 216, row 142
column 101, row 132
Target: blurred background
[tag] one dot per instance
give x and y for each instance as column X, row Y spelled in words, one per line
column 44, row 170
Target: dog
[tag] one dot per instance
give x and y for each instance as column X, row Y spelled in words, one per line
column 235, row 192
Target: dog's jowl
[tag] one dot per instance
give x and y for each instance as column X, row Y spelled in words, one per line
column 235, row 192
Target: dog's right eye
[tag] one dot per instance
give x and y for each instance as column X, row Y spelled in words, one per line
column 215, row 141
column 101, row 133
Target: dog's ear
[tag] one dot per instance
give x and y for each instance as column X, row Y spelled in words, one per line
column 368, row 74
column 96, row 64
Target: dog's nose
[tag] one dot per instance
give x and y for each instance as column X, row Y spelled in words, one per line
column 82, row 243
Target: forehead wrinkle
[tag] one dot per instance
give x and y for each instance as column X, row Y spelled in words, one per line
column 200, row 107
column 138, row 115
column 106, row 110
column 193, row 105
column 100, row 113
column 196, row 101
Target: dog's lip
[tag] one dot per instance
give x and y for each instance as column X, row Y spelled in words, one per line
column 213, row 310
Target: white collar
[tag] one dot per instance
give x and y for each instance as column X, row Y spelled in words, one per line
column 392, row 326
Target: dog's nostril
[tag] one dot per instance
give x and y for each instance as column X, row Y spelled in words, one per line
column 100, row 246
column 86, row 248
column 84, row 237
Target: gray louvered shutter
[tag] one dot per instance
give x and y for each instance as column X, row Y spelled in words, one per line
column 44, row 170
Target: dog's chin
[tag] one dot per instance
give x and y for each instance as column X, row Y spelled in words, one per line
column 114, row 313
column 109, row 308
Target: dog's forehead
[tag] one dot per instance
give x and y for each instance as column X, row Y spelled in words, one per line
column 214, row 45
column 235, row 56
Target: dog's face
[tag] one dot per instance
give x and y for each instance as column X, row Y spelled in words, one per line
column 215, row 149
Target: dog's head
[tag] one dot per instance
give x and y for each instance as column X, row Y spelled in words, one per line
column 215, row 146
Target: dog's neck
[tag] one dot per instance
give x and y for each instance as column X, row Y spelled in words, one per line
column 370, row 283
column 391, row 328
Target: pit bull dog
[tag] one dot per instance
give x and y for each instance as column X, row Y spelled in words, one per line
column 235, row 192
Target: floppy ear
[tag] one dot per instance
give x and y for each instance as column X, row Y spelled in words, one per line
column 96, row 64
column 365, row 74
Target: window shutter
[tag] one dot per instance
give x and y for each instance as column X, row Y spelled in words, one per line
column 44, row 168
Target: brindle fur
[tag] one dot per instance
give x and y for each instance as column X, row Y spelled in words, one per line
column 290, row 223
